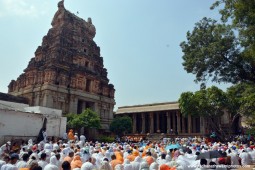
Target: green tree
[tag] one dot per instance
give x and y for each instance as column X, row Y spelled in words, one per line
column 242, row 101
column 223, row 51
column 87, row 119
column 209, row 103
column 205, row 102
column 121, row 125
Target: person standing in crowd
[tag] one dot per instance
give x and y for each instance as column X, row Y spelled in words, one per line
column 42, row 163
column 11, row 165
column 5, row 148
column 45, row 135
column 64, row 137
column 70, row 135
column 23, row 162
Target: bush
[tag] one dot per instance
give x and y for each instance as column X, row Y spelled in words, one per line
column 108, row 139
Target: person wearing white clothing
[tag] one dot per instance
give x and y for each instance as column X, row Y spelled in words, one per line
column 23, row 163
column 252, row 154
column 2, row 163
column 52, row 165
column 127, row 165
column 64, row 136
column 234, row 157
column 11, row 165
column 82, row 138
column 136, row 163
column 42, row 163
column 45, row 136
column 245, row 158
column 162, row 160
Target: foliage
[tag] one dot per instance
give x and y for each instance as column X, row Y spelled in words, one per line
column 108, row 139
column 238, row 99
column 242, row 100
column 121, row 125
column 205, row 102
column 87, row 119
column 223, row 51
column 250, row 131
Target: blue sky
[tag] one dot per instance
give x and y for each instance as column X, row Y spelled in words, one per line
column 139, row 41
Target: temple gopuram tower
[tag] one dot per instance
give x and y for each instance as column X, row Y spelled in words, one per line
column 67, row 71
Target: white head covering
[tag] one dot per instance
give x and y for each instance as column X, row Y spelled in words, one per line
column 138, row 159
column 55, row 146
column 154, row 166
column 2, row 163
column 30, row 143
column 105, row 166
column 51, row 166
column 127, row 165
column 119, row 167
column 144, row 166
column 168, row 158
column 108, row 155
column 87, row 166
column 54, row 161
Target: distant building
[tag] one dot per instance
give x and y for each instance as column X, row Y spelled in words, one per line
column 67, row 72
column 167, row 118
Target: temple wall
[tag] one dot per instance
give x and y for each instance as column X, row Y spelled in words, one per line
column 25, row 125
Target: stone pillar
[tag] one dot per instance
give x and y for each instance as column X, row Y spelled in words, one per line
column 158, row 128
column 134, row 123
column 202, row 125
column 84, row 105
column 96, row 108
column 168, row 122
column 189, row 124
column 178, row 122
column 174, row 121
column 73, row 104
column 151, row 122
column 37, row 99
column 183, row 124
column 194, row 124
column 111, row 111
column 47, row 100
column 143, row 123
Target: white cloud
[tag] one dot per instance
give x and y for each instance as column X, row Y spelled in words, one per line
column 27, row 8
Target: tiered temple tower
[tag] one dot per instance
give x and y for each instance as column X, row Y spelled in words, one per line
column 67, row 71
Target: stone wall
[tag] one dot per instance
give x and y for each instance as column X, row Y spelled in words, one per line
column 26, row 125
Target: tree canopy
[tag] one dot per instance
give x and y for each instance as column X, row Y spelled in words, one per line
column 205, row 102
column 87, row 119
column 211, row 102
column 223, row 51
column 242, row 99
column 121, row 125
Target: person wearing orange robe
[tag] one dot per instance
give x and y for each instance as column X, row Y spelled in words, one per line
column 71, row 135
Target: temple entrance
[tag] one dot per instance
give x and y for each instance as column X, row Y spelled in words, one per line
column 82, row 105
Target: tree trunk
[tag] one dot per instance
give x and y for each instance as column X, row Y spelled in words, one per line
column 219, row 132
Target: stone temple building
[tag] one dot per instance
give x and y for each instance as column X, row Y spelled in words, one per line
column 67, row 71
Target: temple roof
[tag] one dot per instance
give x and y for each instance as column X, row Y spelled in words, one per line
column 154, row 107
column 11, row 98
